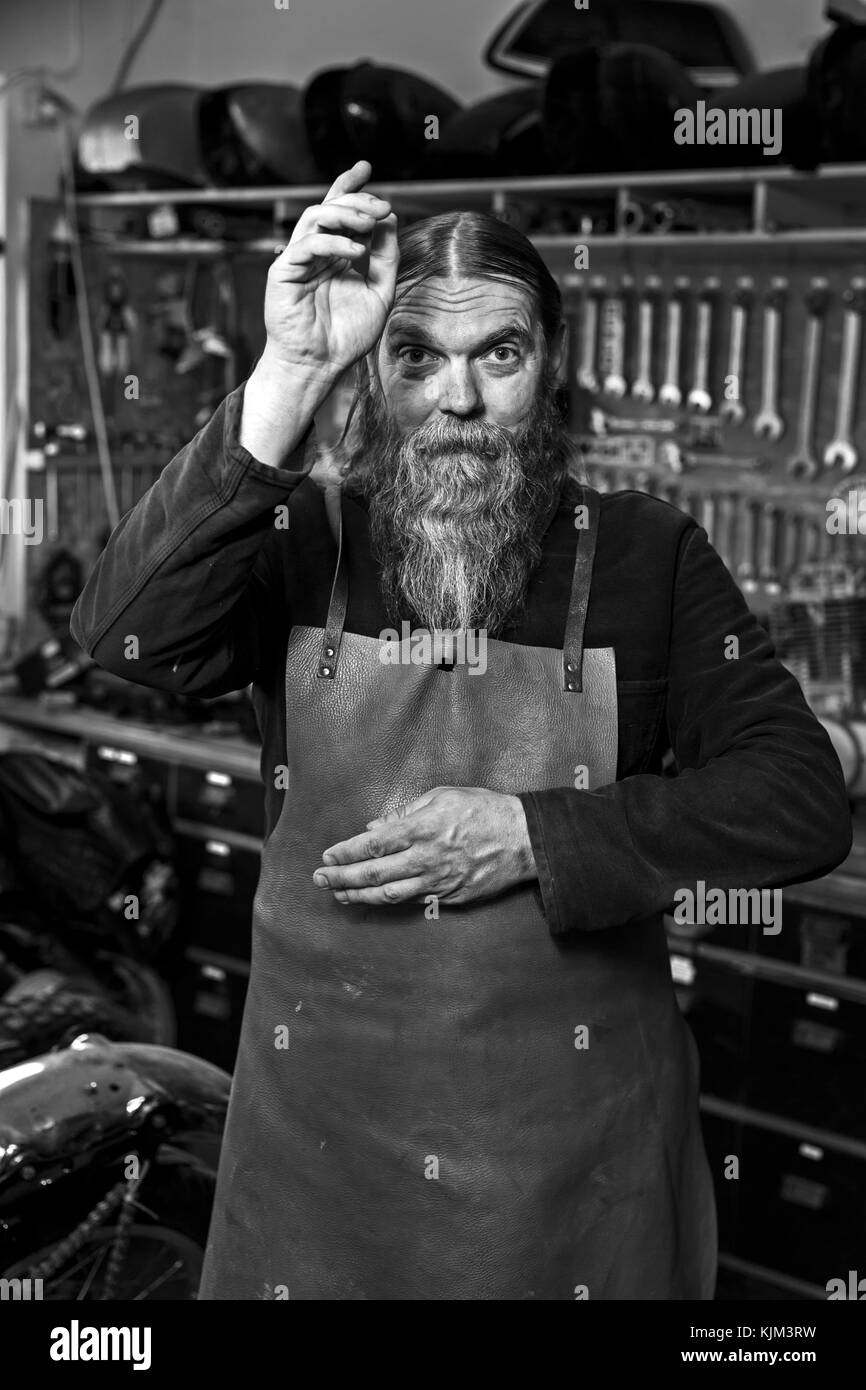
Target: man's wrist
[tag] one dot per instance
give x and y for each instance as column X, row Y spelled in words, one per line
column 526, row 870
column 280, row 403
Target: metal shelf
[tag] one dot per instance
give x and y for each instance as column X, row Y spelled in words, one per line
column 832, row 202
column 852, row 176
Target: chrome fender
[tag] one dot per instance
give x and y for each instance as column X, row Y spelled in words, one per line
column 55, row 1105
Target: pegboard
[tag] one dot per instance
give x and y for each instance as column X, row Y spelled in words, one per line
column 621, row 274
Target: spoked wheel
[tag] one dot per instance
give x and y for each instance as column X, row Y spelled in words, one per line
column 159, row 1264
column 146, row 1249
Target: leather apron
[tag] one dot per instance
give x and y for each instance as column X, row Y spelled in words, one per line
column 461, row 1106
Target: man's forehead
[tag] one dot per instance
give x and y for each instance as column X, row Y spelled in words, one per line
column 466, row 302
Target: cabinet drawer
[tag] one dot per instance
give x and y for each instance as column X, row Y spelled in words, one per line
column 801, row 1207
column 217, row 798
column 209, row 1000
column 796, row 1052
column 808, row 1057
column 795, row 1207
column 218, row 886
column 130, row 769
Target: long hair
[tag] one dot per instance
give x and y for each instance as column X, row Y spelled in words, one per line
column 476, row 245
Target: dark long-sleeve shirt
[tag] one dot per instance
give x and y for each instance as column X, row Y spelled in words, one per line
column 201, row 575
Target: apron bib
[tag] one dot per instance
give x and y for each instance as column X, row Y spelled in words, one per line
column 458, row 1106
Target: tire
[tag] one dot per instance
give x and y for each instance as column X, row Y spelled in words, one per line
column 163, row 1258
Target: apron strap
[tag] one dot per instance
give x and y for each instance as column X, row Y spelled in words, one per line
column 330, row 653
column 572, row 654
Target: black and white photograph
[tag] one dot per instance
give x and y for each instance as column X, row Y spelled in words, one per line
column 432, row 670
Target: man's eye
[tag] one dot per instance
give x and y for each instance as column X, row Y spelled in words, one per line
column 413, row 356
column 506, row 348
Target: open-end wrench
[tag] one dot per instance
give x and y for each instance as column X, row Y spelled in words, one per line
column 803, row 463
column 725, row 525
column 840, row 452
column 732, row 407
column 586, row 376
column 793, row 530
column 669, row 392
column 707, row 514
column 699, row 397
column 768, row 423
column 747, row 535
column 642, row 387
column 767, row 533
column 670, row 455
column 614, row 315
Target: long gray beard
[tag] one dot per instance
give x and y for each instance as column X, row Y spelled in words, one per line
column 458, row 509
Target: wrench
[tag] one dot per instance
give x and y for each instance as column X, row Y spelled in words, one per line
column 726, row 518
column 642, row 387
column 767, row 533
column 586, row 377
column 768, row 423
column 840, row 451
column 791, row 545
column 708, row 514
column 670, row 455
column 613, row 330
column 732, row 407
column 802, row 463
column 699, row 397
column 746, row 569
column 670, row 393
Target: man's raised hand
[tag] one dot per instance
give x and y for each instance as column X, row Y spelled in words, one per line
column 330, row 290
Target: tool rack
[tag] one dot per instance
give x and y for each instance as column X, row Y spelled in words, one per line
column 754, row 243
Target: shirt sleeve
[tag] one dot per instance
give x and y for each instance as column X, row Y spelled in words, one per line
column 186, row 594
column 759, row 800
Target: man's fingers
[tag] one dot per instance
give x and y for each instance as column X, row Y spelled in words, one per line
column 317, row 246
column 368, row 873
column 355, row 210
column 403, row 891
column 384, row 257
column 351, row 179
column 389, row 840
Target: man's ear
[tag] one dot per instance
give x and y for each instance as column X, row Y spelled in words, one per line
column 558, row 355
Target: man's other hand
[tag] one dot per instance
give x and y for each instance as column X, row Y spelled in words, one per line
column 456, row 843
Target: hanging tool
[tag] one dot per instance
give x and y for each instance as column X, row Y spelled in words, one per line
column 699, row 397
column 768, row 423
column 117, row 320
column 669, row 392
column 803, row 463
column 841, row 452
column 732, row 407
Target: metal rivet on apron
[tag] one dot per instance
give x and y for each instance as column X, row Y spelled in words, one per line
column 329, row 651
column 569, row 666
column 324, row 670
column 570, row 685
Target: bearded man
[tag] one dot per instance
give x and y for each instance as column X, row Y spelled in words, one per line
column 462, row 1072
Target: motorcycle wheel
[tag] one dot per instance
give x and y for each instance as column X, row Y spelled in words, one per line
column 163, row 1254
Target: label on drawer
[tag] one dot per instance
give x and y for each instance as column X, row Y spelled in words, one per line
column 802, row 1192
column 817, row 1037
column 212, row 880
column 212, row 1005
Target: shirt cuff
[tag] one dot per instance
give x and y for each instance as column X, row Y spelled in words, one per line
column 551, row 836
column 298, row 464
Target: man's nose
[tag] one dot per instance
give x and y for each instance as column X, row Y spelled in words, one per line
column 458, row 390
